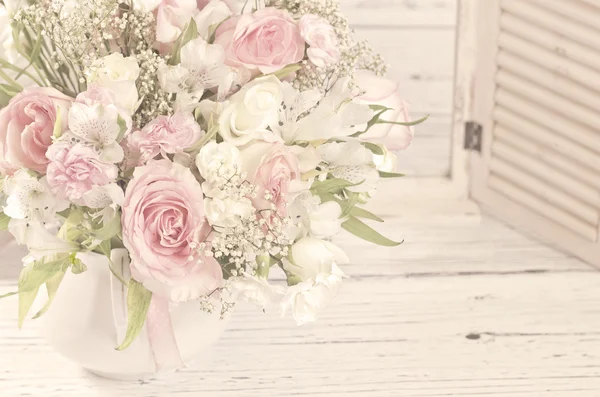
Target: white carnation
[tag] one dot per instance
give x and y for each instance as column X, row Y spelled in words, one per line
column 218, row 162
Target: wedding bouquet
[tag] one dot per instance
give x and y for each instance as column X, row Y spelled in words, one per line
column 217, row 141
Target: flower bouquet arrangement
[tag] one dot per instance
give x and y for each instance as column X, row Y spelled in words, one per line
column 212, row 141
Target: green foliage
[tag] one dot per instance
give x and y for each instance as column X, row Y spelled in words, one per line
column 365, row 232
column 4, row 221
column 286, row 71
column 52, row 287
column 333, row 185
column 138, row 302
column 384, row 174
column 189, row 33
column 33, row 276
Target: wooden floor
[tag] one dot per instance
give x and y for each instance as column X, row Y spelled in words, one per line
column 466, row 307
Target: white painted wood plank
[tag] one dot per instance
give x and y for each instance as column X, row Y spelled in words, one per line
column 429, row 153
column 422, row 61
column 514, row 335
column 401, row 13
column 428, row 54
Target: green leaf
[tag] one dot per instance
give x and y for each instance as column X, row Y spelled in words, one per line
column 26, row 299
column 362, row 230
column 189, row 33
column 212, row 132
column 375, row 149
column 384, row 174
column 9, row 294
column 40, row 272
column 138, row 301
column 52, row 287
column 363, row 213
column 110, row 229
column 78, row 267
column 4, row 221
column 286, row 71
column 407, row 124
column 379, row 108
column 371, row 122
column 57, row 133
column 333, row 185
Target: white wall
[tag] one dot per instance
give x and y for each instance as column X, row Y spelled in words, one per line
column 417, row 37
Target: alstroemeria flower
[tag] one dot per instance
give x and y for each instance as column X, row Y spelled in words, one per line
column 294, row 104
column 201, row 68
column 97, row 126
column 32, row 207
column 334, row 116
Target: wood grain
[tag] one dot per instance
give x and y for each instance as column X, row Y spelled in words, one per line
column 464, row 308
column 418, row 40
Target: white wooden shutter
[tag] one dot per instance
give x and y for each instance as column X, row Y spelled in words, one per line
column 537, row 98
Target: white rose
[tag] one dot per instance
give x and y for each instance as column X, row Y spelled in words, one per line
column 249, row 113
column 322, row 40
column 312, row 257
column 219, row 161
column 306, row 299
column 386, row 162
column 255, row 290
column 227, row 212
column 118, row 74
column 314, row 263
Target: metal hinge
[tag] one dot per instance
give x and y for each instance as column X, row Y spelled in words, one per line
column 473, row 136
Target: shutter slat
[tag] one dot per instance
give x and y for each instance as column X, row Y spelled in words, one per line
column 566, row 193
column 556, row 103
column 537, row 14
column 550, row 60
column 545, row 137
column 537, row 205
column 551, row 41
column 547, row 155
column 576, row 10
column 556, row 82
column 560, row 125
column 537, row 98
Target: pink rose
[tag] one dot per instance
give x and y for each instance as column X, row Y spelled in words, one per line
column 75, row 170
column 166, row 134
column 320, row 36
column 381, row 91
column 273, row 168
column 163, row 225
column 26, row 128
column 267, row 40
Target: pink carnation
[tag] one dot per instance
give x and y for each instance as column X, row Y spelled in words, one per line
column 26, row 128
column 267, row 40
column 320, row 36
column 165, row 134
column 163, row 224
column 75, row 170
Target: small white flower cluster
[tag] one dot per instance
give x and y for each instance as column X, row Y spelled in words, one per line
column 354, row 53
column 214, row 140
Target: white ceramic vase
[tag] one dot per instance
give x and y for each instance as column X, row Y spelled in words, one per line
column 88, row 317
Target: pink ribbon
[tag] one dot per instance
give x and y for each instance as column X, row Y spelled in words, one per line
column 159, row 326
column 161, row 335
